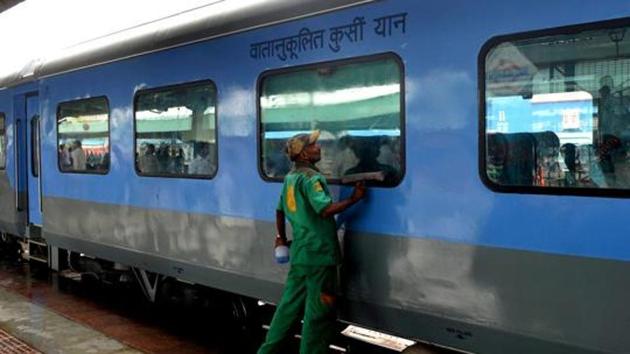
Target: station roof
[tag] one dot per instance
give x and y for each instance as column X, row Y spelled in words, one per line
column 7, row 4
column 45, row 39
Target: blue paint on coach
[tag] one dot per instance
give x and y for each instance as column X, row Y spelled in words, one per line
column 441, row 195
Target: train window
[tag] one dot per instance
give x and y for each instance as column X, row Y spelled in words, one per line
column 35, row 144
column 356, row 104
column 176, row 131
column 556, row 111
column 3, row 146
column 83, row 136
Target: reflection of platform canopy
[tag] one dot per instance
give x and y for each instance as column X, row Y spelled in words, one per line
column 180, row 24
column 329, row 136
column 176, row 119
column 93, row 124
column 351, row 96
column 166, row 124
column 372, row 109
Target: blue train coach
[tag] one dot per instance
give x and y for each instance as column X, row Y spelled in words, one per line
column 503, row 131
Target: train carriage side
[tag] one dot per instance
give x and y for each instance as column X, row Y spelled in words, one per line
column 20, row 211
column 531, row 254
column 11, row 220
column 435, row 254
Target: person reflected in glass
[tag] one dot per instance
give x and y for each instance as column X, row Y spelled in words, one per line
column 104, row 163
column 163, row 156
column 148, row 162
column 614, row 163
column 202, row 164
column 276, row 164
column 571, row 161
column 622, row 165
column 612, row 108
column 497, row 156
column 605, row 109
column 390, row 152
column 92, row 160
column 176, row 161
column 367, row 150
column 548, row 170
column 345, row 158
column 77, row 155
column 64, row 156
column 607, row 154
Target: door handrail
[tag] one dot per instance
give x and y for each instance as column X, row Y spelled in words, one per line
column 16, row 164
column 39, row 165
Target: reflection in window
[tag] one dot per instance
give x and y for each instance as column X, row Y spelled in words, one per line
column 558, row 111
column 3, row 146
column 35, row 146
column 176, row 131
column 355, row 105
column 83, row 136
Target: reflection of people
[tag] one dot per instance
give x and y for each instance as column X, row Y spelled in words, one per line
column 64, row 157
column 613, row 162
column 176, row 161
column 548, row 171
column 202, row 164
column 367, row 151
column 276, row 164
column 607, row 148
column 310, row 286
column 148, row 162
column 611, row 108
column 162, row 155
column 77, row 156
column 622, row 166
column 104, row 164
column 496, row 157
column 345, row 158
column 571, row 160
column 605, row 110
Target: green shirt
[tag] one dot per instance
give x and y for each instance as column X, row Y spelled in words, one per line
column 304, row 195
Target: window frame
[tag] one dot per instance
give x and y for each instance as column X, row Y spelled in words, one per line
column 216, row 128
column 35, row 158
column 3, row 131
column 481, row 81
column 353, row 60
column 109, row 136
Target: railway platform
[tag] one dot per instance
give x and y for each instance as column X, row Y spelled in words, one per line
column 29, row 327
column 43, row 312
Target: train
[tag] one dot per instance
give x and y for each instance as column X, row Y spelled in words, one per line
column 502, row 130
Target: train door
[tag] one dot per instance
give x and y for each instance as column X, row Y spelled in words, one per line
column 33, row 160
column 27, row 152
column 19, row 167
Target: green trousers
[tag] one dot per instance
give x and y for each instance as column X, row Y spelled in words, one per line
column 309, row 291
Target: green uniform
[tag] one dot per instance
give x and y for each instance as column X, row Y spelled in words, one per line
column 314, row 257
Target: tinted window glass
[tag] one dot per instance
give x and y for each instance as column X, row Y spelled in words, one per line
column 83, row 136
column 557, row 111
column 176, row 131
column 356, row 106
column 3, row 146
column 35, row 146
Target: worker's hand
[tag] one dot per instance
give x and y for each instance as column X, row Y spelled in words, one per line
column 359, row 191
column 280, row 241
